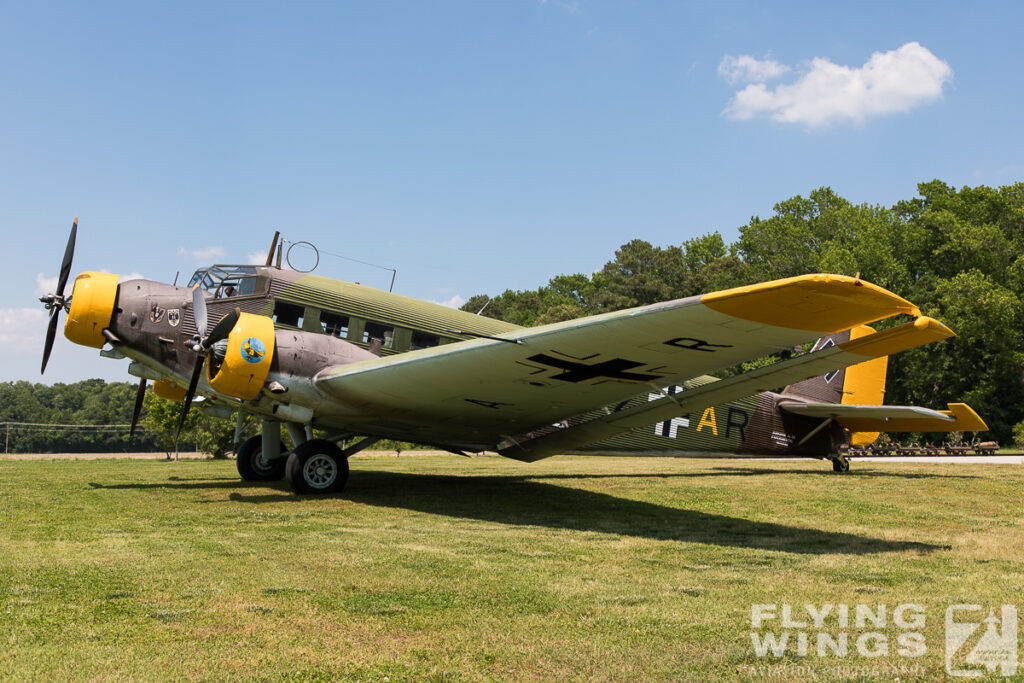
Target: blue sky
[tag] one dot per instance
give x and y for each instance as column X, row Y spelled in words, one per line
column 473, row 146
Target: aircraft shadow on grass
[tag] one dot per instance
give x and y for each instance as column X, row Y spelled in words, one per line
column 750, row 471
column 525, row 501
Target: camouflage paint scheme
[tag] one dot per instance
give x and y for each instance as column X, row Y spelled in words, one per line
column 154, row 326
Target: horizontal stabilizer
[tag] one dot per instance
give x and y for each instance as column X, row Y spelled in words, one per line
column 841, row 412
column 959, row 418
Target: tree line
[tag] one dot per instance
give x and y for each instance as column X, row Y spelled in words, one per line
column 76, row 408
column 92, row 416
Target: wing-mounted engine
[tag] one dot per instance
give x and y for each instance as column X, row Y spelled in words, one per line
column 255, row 355
column 240, row 364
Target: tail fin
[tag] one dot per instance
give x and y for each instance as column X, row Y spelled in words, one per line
column 865, row 385
column 861, row 384
column 823, row 388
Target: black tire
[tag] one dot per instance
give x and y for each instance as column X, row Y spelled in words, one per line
column 840, row 465
column 317, row 466
column 251, row 465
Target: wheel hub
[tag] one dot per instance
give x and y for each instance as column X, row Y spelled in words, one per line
column 260, row 463
column 320, row 471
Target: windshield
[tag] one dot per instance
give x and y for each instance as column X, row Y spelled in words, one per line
column 225, row 281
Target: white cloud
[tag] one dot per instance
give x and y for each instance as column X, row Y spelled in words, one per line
column 203, row 255
column 455, row 302
column 256, row 258
column 888, row 83
column 22, row 329
column 45, row 285
column 747, row 69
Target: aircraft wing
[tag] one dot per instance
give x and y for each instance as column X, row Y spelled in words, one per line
column 959, row 418
column 478, row 392
column 696, row 398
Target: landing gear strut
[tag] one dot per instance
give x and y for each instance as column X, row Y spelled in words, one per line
column 840, row 464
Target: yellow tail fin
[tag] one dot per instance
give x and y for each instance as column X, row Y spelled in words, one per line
column 864, row 384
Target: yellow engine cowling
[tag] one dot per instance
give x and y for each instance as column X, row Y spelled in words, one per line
column 92, row 308
column 168, row 390
column 246, row 363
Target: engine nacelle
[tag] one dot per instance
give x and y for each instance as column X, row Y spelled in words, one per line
column 169, row 390
column 240, row 365
column 92, row 306
column 247, row 358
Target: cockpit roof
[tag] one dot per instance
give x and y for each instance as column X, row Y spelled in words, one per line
column 226, row 280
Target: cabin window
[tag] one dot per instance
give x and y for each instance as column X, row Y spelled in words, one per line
column 422, row 340
column 334, row 324
column 379, row 331
column 288, row 314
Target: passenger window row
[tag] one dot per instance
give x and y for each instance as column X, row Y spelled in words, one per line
column 356, row 330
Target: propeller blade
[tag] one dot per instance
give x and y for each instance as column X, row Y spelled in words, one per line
column 69, row 252
column 139, row 397
column 239, row 423
column 223, row 328
column 51, row 333
column 199, row 310
column 189, row 395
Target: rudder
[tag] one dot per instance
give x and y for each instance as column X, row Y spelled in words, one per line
column 864, row 385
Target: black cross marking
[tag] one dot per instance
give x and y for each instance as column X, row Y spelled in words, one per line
column 616, row 368
column 695, row 344
column 487, row 404
column 828, row 343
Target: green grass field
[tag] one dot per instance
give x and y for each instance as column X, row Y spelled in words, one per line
column 447, row 568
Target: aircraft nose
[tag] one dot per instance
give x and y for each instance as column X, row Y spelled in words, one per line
column 92, row 308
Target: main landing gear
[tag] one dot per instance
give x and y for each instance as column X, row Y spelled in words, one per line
column 315, row 466
column 840, row 464
column 251, row 464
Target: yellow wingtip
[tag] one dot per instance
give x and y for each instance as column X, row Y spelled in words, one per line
column 818, row 302
column 922, row 331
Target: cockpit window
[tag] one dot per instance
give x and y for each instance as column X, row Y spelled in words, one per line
column 226, row 281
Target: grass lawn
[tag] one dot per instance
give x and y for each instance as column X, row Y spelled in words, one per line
column 446, row 568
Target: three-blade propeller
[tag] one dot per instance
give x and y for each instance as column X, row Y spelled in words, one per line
column 140, row 396
column 56, row 302
column 203, row 343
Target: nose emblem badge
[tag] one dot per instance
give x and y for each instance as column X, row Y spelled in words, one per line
column 253, row 350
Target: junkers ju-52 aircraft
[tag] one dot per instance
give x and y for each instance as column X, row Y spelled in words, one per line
column 361, row 364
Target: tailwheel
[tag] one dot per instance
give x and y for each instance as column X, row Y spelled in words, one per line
column 840, row 464
column 251, row 464
column 317, row 466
